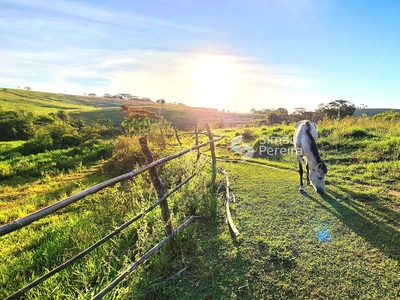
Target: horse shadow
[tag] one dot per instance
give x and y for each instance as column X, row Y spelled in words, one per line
column 373, row 225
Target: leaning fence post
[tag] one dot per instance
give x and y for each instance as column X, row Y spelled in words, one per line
column 177, row 136
column 158, row 185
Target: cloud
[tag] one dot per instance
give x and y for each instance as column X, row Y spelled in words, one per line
column 208, row 80
column 75, row 47
column 96, row 13
column 197, row 79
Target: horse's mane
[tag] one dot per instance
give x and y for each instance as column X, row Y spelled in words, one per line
column 314, row 149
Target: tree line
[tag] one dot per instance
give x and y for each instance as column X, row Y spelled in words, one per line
column 332, row 110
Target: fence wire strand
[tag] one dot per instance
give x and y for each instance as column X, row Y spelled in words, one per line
column 122, row 276
column 72, row 260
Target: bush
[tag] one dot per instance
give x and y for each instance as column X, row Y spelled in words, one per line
column 247, row 133
column 64, row 162
column 5, row 171
column 26, row 168
column 126, row 154
column 99, row 151
column 70, row 140
column 358, row 134
column 37, row 145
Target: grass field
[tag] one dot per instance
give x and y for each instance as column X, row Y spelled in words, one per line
column 278, row 254
column 89, row 108
column 343, row 245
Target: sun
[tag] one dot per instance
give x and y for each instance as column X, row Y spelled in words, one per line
column 214, row 81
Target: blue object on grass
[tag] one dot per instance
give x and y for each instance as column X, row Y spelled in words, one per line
column 323, row 236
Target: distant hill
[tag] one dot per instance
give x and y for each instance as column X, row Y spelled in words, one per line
column 89, row 107
column 371, row 111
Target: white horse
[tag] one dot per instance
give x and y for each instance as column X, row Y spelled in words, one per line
column 305, row 141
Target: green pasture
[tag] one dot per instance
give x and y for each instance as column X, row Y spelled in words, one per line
column 89, row 108
column 44, row 103
column 278, row 254
column 343, row 245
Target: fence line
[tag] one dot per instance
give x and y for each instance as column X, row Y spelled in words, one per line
column 17, row 224
column 141, row 259
column 72, row 260
column 162, row 201
column 228, row 201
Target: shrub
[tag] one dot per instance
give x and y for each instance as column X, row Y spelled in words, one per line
column 5, row 171
column 26, row 168
column 37, row 145
column 64, row 162
column 70, row 140
column 125, row 154
column 247, row 133
column 358, row 133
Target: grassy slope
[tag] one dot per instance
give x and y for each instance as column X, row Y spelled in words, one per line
column 278, row 256
column 43, row 103
column 371, row 111
column 89, row 108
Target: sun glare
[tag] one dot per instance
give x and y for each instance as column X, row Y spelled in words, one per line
column 214, row 81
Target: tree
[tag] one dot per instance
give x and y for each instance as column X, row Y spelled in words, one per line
column 389, row 115
column 337, row 109
column 273, row 118
column 162, row 102
column 283, row 112
column 15, row 125
column 300, row 113
column 63, row 115
column 138, row 121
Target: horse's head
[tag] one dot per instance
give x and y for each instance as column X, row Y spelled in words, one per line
column 317, row 177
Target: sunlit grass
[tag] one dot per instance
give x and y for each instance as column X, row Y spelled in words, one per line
column 278, row 254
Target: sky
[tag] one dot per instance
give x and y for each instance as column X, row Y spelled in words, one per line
column 232, row 55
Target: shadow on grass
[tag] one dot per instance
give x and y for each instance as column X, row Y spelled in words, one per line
column 366, row 223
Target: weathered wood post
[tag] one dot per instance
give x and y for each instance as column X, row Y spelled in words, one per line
column 214, row 171
column 196, row 134
column 158, row 185
column 212, row 149
column 177, row 136
column 162, row 136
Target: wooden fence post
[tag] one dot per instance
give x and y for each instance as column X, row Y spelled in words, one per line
column 213, row 159
column 177, row 136
column 158, row 185
column 196, row 134
column 212, row 149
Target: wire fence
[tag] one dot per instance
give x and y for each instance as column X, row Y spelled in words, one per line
column 162, row 202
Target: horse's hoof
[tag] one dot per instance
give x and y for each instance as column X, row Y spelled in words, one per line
column 301, row 190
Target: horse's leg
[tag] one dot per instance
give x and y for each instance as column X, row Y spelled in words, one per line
column 301, row 188
column 307, row 173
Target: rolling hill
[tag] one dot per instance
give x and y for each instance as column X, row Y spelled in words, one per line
column 90, row 107
column 371, row 111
